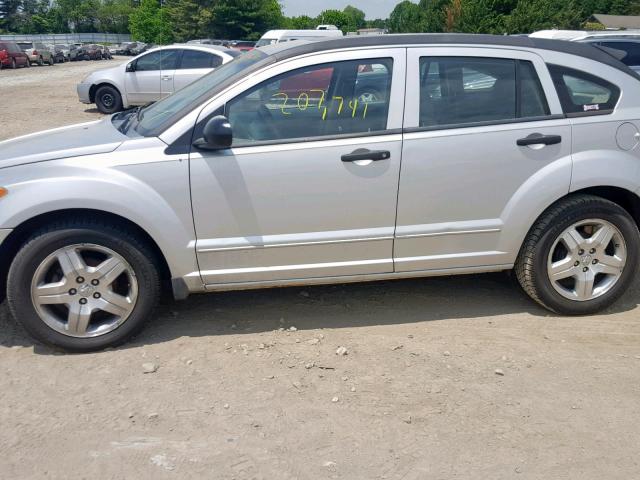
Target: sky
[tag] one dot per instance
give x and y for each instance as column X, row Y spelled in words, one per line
column 372, row 8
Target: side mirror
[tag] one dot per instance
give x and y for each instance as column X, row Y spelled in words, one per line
column 131, row 67
column 217, row 134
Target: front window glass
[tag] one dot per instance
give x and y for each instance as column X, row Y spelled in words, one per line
column 149, row 62
column 323, row 100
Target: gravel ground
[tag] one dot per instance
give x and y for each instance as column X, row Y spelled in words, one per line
column 438, row 378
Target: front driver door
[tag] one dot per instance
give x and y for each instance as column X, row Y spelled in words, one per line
column 143, row 84
column 290, row 200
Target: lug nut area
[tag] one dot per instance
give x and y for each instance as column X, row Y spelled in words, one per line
column 73, row 291
column 80, row 279
column 83, row 301
column 96, row 295
column 95, row 282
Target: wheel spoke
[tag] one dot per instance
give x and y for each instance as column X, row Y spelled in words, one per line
column 584, row 285
column 52, row 293
column 79, row 318
column 572, row 239
column 71, row 262
column 562, row 269
column 110, row 269
column 610, row 265
column 115, row 304
column 602, row 237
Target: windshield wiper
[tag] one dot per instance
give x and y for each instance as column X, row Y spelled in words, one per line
column 133, row 113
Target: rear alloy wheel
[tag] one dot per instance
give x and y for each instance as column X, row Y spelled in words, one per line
column 108, row 99
column 83, row 286
column 580, row 256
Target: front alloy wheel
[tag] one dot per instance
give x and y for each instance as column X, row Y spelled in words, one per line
column 83, row 285
column 84, row 290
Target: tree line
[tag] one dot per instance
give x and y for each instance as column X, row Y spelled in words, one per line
column 164, row 21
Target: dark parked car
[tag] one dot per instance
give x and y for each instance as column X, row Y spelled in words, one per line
column 242, row 45
column 628, row 46
column 59, row 55
column 90, row 52
column 13, row 56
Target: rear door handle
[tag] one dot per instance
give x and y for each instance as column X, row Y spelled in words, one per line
column 539, row 139
column 166, row 77
column 365, row 154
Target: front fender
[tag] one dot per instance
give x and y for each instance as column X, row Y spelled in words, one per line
column 154, row 196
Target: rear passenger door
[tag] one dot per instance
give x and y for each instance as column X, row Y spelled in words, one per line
column 194, row 64
column 486, row 121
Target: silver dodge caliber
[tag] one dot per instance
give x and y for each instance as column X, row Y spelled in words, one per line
column 343, row 160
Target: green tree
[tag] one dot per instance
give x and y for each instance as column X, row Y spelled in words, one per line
column 433, row 13
column 407, row 17
column 532, row 15
column 340, row 19
column 356, row 16
column 302, row 22
column 150, row 23
column 244, row 19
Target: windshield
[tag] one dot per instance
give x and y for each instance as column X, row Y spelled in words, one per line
column 265, row 41
column 160, row 115
column 25, row 45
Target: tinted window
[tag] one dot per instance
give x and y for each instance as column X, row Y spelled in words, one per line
column 632, row 50
column 197, row 59
column 462, row 90
column 581, row 92
column 151, row 61
column 329, row 99
column 159, row 60
column 25, row 45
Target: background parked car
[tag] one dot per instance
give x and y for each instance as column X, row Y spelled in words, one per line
column 58, row 54
column 13, row 56
column 106, row 53
column 74, row 50
column 151, row 76
column 242, row 45
column 37, row 52
column 61, row 47
column 91, row 52
column 630, row 45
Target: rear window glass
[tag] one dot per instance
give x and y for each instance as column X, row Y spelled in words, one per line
column 581, row 92
column 468, row 90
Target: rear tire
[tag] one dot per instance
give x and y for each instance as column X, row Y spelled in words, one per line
column 13, row 64
column 28, row 265
column 563, row 245
column 108, row 99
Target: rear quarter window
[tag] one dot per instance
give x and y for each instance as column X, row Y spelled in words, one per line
column 583, row 93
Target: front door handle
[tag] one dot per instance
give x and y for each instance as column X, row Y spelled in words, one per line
column 539, row 139
column 166, row 77
column 365, row 154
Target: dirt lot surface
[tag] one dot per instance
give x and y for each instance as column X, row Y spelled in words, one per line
column 442, row 378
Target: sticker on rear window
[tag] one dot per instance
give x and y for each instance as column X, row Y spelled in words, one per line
column 588, row 108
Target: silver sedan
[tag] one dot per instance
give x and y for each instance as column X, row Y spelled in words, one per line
column 151, row 76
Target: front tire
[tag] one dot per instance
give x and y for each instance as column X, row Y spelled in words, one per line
column 83, row 286
column 580, row 256
column 108, row 99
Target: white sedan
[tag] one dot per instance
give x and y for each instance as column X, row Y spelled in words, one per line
column 151, row 76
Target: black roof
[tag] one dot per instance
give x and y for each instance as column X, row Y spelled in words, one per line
column 574, row 48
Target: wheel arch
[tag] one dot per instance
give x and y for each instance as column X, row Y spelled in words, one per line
column 10, row 247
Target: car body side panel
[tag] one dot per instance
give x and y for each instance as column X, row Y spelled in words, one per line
column 137, row 182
